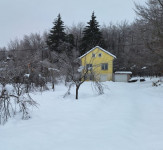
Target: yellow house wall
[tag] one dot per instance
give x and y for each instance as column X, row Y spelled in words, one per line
column 97, row 61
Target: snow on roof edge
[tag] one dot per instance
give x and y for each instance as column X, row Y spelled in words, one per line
column 124, row 72
column 100, row 49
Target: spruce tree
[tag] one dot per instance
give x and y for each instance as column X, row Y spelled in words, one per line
column 92, row 36
column 57, row 35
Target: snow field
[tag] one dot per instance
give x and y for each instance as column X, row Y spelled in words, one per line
column 129, row 116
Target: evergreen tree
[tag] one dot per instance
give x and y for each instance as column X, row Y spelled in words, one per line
column 57, row 35
column 69, row 45
column 92, row 36
column 70, row 39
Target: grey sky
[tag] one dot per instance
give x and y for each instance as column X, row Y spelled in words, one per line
column 19, row 17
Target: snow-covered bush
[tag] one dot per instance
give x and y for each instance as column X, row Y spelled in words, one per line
column 13, row 100
column 156, row 83
column 6, row 109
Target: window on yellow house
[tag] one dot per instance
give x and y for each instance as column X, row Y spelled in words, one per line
column 93, row 55
column 104, row 66
column 99, row 55
column 89, row 66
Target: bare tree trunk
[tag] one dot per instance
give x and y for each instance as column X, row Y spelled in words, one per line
column 77, row 91
column 53, row 86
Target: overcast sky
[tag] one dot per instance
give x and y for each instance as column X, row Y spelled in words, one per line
column 19, row 17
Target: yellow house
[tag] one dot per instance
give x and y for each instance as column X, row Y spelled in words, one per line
column 101, row 61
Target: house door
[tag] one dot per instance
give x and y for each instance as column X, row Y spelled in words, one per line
column 103, row 78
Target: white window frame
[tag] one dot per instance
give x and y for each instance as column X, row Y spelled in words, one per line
column 104, row 66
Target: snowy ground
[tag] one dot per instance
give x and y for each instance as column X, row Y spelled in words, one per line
column 129, row 116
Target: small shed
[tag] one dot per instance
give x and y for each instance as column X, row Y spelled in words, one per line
column 122, row 76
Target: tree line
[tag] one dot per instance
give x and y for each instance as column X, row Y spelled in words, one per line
column 138, row 46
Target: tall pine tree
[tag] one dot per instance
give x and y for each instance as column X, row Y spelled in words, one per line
column 92, row 36
column 57, row 35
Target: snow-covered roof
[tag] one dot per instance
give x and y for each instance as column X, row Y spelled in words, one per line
column 8, row 57
column 144, row 68
column 123, row 72
column 27, row 75
column 100, row 49
column 1, row 69
column 53, row 69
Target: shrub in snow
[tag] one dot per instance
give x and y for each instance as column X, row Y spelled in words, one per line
column 99, row 87
column 156, row 83
column 5, row 106
column 14, row 100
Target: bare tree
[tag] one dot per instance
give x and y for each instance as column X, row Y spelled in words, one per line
column 77, row 31
column 150, row 18
column 13, row 96
column 75, row 74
